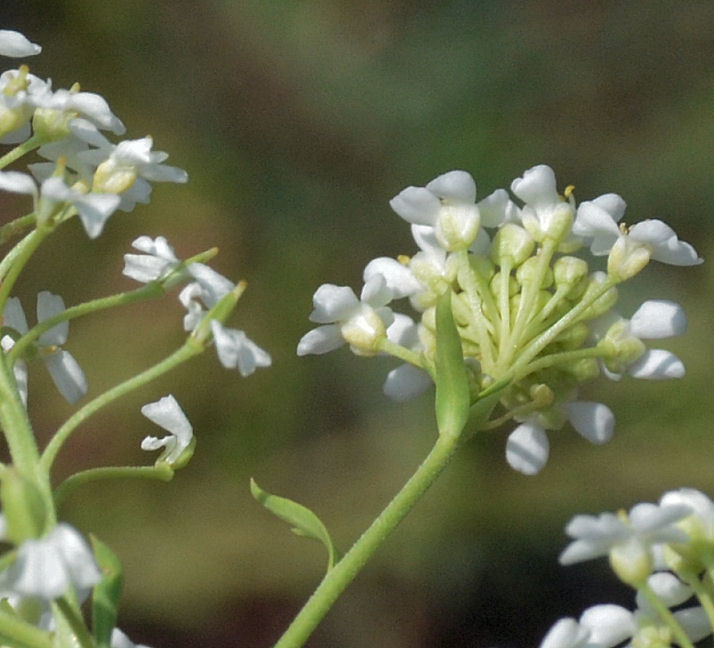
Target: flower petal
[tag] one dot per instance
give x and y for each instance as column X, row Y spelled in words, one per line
column 333, row 304
column 657, row 364
column 454, row 186
column 67, row 375
column 416, row 205
column 527, row 448
column 658, row 318
column 406, row 382
column 593, row 421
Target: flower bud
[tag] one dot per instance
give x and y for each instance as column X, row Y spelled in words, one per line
column 513, row 287
column 604, row 302
column 113, row 178
column 570, row 272
column 528, row 273
column 513, row 244
column 573, row 337
column 583, row 370
column 51, row 125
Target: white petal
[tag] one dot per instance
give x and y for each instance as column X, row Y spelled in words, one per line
column 669, row 588
column 653, row 232
column 695, row 622
column 497, row 209
column 608, row 624
column 658, row 318
column 67, row 375
column 403, row 331
column 398, row 277
column 416, row 205
column 320, row 340
column 49, row 305
column 39, row 571
column 17, row 182
column 237, row 351
column 215, row 286
column 14, row 316
column 594, row 421
column 612, row 204
column 77, row 556
column 592, row 220
column 566, row 633
column 333, row 304
column 15, row 45
column 94, row 210
column 527, row 448
column 144, row 268
column 647, row 517
column 406, row 382
column 537, row 186
column 97, row 109
column 167, row 413
column 657, row 364
column 375, row 292
column 454, row 186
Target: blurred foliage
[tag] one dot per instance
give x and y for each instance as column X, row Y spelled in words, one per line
column 297, row 121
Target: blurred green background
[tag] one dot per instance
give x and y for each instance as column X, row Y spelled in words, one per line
column 297, row 121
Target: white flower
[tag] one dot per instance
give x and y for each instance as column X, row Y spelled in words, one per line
column 88, row 105
column 167, row 413
column 360, row 322
column 654, row 319
column 406, row 381
column 93, row 208
column 447, row 204
column 157, row 261
column 568, row 633
column 397, row 276
column 15, row 45
column 236, row 351
column 20, row 94
column 66, row 373
column 627, row 539
column 45, row 568
column 527, row 447
column 545, row 212
column 125, row 168
column 208, row 289
column 700, row 524
column 631, row 248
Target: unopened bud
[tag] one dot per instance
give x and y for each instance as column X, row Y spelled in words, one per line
column 627, row 258
column 457, row 226
column 22, row 506
column 113, row 178
column 631, row 561
column 528, row 273
column 364, row 331
column 570, row 273
column 512, row 244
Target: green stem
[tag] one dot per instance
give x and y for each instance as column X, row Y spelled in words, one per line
column 703, row 593
column 161, row 471
column 17, row 258
column 21, row 634
column 564, row 357
column 21, row 149
column 666, row 616
column 342, row 574
column 16, row 227
column 184, row 353
column 398, row 351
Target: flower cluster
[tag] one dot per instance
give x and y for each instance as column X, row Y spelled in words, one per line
column 84, row 172
column 528, row 305
column 663, row 551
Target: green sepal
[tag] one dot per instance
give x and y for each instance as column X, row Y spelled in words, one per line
column 452, row 384
column 106, row 593
column 302, row 520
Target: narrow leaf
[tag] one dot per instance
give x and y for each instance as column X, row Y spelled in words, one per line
column 302, row 520
column 105, row 595
column 452, row 386
column 484, row 404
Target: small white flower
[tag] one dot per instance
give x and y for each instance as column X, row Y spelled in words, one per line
column 527, row 447
column 447, row 204
column 167, row 413
column 700, row 524
column 208, row 289
column 45, row 568
column 87, row 105
column 360, row 322
column 237, row 351
column 125, row 168
column 64, row 369
column 545, row 212
column 157, row 261
column 20, row 94
column 16, row 45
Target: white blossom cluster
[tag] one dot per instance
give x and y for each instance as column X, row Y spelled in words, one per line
column 83, row 172
column 663, row 551
column 526, row 301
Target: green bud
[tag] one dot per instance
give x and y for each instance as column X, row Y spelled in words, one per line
column 573, row 337
column 604, row 302
column 482, row 266
column 23, row 507
column 541, row 395
column 462, row 311
column 52, row 125
column 583, row 370
column 513, row 244
column 364, row 332
column 528, row 273
column 495, row 285
column 457, row 226
column 570, row 272
column 557, row 224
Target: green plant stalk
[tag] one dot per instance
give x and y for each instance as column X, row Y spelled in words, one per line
column 29, row 145
column 16, row 227
column 342, row 574
column 25, row 249
column 20, row 634
column 666, row 616
column 187, row 351
column 703, row 594
column 161, row 471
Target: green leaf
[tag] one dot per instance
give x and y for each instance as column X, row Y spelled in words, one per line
column 484, row 404
column 452, row 386
column 105, row 595
column 302, row 520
